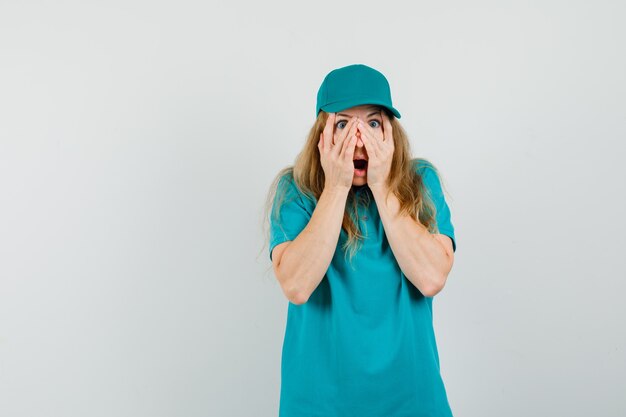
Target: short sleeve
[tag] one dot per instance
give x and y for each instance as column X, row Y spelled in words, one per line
column 444, row 221
column 291, row 218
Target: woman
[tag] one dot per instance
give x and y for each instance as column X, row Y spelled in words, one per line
column 361, row 241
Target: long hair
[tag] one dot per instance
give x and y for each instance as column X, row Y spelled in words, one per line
column 404, row 181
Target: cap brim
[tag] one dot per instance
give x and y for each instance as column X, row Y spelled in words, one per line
column 342, row 105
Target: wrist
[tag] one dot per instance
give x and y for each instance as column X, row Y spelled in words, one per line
column 336, row 190
column 379, row 189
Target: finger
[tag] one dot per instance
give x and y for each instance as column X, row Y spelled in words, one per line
column 373, row 142
column 348, row 130
column 347, row 150
column 379, row 143
column 328, row 131
column 373, row 133
column 369, row 146
column 387, row 129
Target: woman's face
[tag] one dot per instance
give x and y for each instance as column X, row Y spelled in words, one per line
column 366, row 113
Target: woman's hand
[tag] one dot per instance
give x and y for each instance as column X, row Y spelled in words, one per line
column 380, row 150
column 336, row 155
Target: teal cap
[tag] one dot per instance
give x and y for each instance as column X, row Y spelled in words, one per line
column 351, row 86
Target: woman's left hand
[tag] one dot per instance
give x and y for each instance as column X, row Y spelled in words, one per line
column 379, row 151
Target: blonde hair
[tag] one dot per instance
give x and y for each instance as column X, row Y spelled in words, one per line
column 404, row 181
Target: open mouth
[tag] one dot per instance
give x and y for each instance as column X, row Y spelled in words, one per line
column 360, row 163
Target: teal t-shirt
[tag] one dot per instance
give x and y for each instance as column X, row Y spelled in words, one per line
column 363, row 345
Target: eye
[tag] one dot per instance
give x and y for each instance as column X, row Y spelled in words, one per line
column 375, row 121
column 340, row 122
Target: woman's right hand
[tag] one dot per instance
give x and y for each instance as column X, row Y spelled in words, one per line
column 336, row 153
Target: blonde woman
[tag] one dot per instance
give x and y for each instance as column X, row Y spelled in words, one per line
column 361, row 240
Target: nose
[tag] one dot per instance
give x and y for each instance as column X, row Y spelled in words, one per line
column 359, row 141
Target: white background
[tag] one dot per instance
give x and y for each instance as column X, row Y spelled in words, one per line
column 138, row 140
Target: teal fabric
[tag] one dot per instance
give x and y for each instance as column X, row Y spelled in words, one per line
column 351, row 86
column 363, row 345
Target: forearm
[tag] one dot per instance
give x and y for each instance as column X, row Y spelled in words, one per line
column 421, row 257
column 306, row 259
